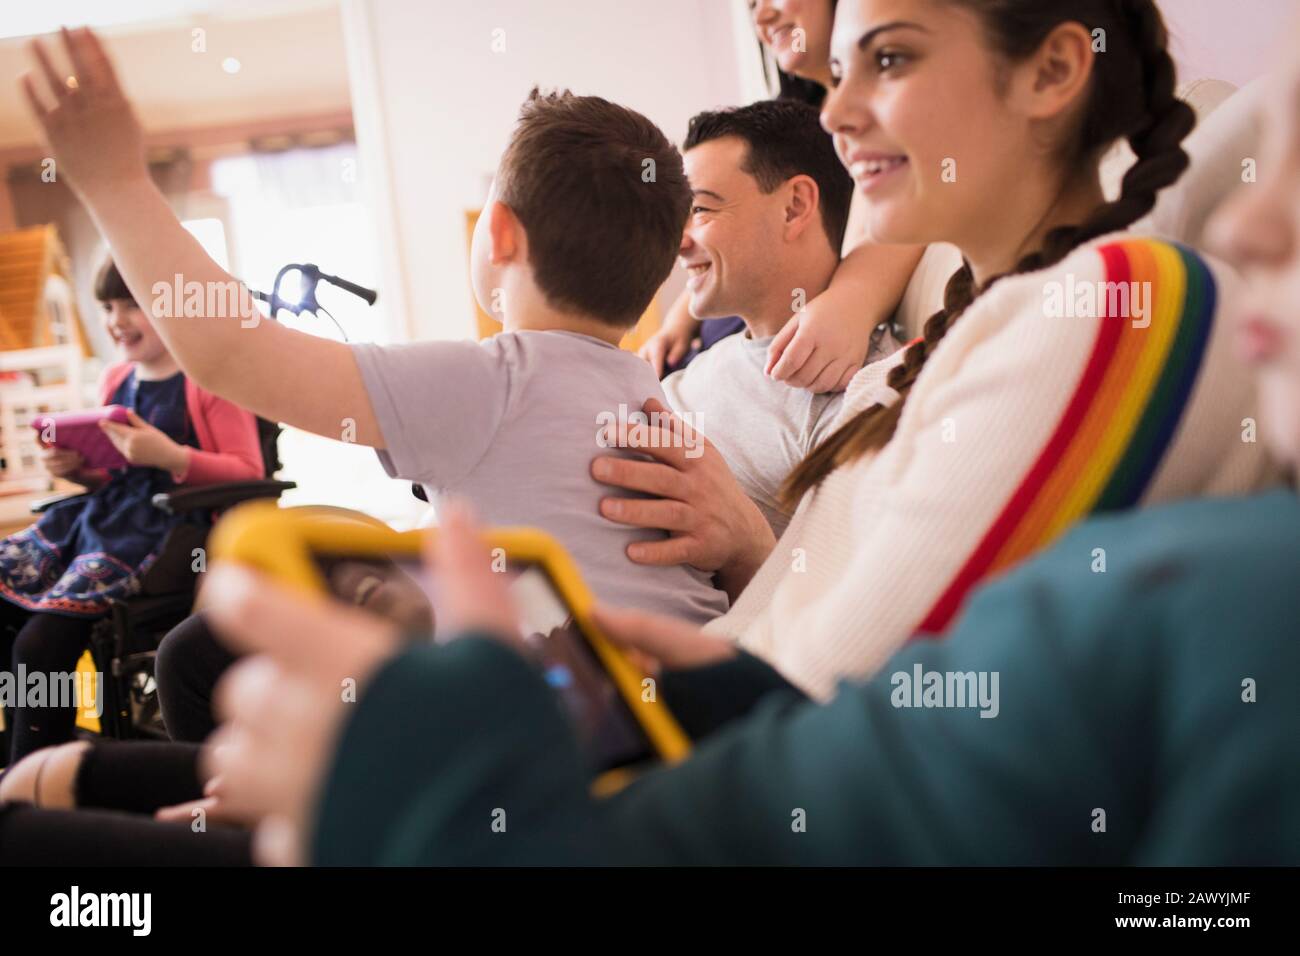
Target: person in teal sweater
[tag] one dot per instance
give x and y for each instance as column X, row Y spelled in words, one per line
column 1141, row 714
column 1146, row 714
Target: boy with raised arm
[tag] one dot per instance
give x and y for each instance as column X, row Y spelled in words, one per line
column 510, row 423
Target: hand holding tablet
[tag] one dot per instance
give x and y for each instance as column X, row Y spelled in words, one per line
column 81, row 432
column 545, row 613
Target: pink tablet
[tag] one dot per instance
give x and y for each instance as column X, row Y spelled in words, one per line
column 80, row 431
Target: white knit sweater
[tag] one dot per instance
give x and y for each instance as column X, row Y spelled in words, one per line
column 1016, row 425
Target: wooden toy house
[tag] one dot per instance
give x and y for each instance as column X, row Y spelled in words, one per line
column 42, row 349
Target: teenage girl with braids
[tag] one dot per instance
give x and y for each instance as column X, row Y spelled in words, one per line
column 1028, row 404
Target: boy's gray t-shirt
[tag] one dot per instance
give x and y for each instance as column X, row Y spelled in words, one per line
column 762, row 427
column 511, row 424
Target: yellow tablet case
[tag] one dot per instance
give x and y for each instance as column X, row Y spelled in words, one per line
column 282, row 542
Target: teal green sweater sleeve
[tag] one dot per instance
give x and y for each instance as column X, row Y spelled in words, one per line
column 1127, row 730
column 461, row 753
column 1145, row 713
column 455, row 754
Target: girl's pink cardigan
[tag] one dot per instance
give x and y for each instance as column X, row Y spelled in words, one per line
column 229, row 449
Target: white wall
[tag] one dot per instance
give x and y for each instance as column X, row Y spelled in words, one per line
column 1232, row 40
column 434, row 105
column 431, row 92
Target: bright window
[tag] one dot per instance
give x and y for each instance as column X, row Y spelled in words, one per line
column 303, row 206
column 211, row 234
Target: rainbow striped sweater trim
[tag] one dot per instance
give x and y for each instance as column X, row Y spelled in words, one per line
column 1120, row 420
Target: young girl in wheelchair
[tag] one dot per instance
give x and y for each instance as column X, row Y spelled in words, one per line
column 59, row 575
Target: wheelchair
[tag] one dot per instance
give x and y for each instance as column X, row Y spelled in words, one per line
column 124, row 645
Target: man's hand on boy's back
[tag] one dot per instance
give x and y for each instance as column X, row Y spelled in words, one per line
column 711, row 524
column 93, row 134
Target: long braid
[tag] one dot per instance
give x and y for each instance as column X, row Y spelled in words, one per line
column 1157, row 142
column 1156, row 137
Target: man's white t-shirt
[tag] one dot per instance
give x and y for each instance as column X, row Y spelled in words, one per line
column 762, row 427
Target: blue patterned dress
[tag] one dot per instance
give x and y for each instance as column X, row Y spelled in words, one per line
column 84, row 551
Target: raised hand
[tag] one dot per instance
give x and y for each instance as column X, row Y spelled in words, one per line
column 86, row 119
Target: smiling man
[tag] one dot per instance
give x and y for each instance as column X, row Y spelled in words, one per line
column 769, row 209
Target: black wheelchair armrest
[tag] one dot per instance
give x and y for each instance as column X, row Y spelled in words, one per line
column 41, row 505
column 219, row 496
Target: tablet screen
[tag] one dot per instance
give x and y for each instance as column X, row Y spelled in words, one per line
column 401, row 591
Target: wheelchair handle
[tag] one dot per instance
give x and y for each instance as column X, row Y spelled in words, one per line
column 311, row 277
column 360, row 291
